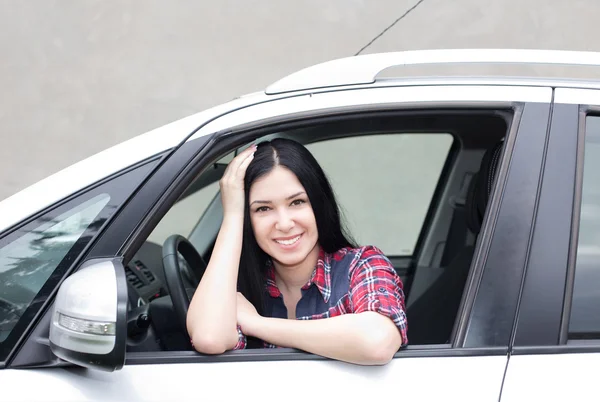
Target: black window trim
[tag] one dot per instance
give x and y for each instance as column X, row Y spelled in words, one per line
column 287, row 354
column 578, row 346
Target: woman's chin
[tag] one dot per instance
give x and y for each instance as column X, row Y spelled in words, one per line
column 287, row 260
column 291, row 258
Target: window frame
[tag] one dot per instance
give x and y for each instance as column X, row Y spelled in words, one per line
column 228, row 139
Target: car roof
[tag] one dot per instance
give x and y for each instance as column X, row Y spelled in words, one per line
column 364, row 69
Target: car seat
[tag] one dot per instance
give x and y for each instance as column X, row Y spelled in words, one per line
column 431, row 317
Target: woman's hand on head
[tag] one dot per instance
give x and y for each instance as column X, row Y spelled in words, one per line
column 247, row 316
column 232, row 182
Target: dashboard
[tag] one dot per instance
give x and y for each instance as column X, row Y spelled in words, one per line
column 151, row 325
column 145, row 275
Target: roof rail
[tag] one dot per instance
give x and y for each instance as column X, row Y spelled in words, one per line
column 365, row 68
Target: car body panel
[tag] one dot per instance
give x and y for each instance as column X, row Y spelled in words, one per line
column 577, row 96
column 365, row 68
column 552, row 377
column 422, row 95
column 474, row 378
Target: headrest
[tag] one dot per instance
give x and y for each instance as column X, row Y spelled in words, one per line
column 481, row 186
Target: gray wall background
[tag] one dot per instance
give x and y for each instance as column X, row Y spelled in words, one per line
column 79, row 76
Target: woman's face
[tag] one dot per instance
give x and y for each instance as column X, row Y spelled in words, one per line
column 282, row 218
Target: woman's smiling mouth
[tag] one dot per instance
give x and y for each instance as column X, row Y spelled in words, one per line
column 288, row 241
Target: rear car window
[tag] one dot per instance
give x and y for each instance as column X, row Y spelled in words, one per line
column 385, row 184
column 585, row 312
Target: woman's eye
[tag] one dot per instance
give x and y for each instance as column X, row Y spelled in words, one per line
column 262, row 209
column 298, row 202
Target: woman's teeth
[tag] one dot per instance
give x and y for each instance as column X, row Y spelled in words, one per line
column 288, row 242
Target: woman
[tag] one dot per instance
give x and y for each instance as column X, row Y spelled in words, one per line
column 310, row 287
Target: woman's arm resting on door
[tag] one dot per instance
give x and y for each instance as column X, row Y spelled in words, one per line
column 367, row 338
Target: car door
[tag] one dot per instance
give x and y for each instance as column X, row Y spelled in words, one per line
column 557, row 339
column 470, row 367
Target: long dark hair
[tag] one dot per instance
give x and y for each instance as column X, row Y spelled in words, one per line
column 332, row 234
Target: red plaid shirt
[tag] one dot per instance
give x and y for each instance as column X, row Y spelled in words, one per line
column 347, row 281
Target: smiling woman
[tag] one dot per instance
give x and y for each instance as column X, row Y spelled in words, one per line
column 285, row 226
column 302, row 283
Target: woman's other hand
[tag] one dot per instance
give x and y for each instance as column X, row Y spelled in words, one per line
column 232, row 183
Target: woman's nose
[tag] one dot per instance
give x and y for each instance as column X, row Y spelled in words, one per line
column 284, row 223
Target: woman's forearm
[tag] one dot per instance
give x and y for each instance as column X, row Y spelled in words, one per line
column 211, row 320
column 367, row 338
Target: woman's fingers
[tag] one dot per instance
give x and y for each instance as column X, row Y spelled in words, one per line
column 241, row 171
column 232, row 182
column 244, row 157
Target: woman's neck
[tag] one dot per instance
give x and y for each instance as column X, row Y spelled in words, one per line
column 291, row 278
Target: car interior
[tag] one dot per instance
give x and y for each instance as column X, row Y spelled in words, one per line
column 435, row 272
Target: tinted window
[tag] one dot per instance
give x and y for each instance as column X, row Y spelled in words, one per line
column 184, row 215
column 585, row 310
column 26, row 263
column 35, row 257
column 385, row 184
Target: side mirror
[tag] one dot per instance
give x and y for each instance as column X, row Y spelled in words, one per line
column 89, row 320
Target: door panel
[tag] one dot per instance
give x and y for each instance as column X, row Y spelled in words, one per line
column 478, row 379
column 552, row 377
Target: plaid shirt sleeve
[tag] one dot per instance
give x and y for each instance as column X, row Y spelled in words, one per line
column 241, row 344
column 375, row 286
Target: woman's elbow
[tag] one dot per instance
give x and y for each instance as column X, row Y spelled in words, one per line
column 382, row 346
column 381, row 355
column 204, row 341
column 208, row 345
column 210, row 341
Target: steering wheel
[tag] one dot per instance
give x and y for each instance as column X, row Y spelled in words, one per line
column 184, row 268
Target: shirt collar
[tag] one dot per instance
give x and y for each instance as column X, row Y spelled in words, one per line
column 321, row 277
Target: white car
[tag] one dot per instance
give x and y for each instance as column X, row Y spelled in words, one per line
column 484, row 192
